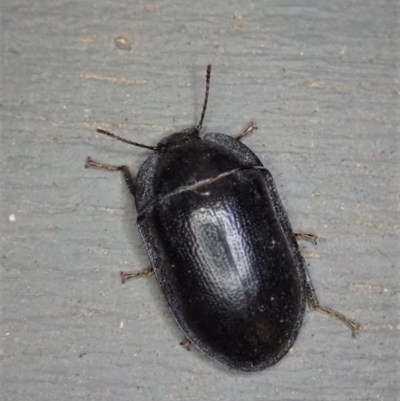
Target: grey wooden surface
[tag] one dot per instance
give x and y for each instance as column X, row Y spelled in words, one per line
column 321, row 79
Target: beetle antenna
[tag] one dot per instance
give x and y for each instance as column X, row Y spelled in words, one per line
column 208, row 79
column 102, row 131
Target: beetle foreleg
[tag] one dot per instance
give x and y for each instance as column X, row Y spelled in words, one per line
column 250, row 128
column 124, row 169
column 125, row 276
column 314, row 304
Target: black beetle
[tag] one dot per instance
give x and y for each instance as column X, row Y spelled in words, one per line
column 221, row 246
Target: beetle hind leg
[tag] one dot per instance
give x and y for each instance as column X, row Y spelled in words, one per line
column 314, row 304
column 186, row 343
column 124, row 169
column 125, row 276
column 250, row 128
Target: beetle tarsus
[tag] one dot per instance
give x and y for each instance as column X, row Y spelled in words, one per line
column 125, row 276
column 186, row 343
column 92, row 163
column 306, row 237
column 351, row 324
column 124, row 169
column 250, row 128
column 314, row 305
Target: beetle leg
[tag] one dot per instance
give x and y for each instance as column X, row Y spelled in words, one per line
column 314, row 304
column 306, row 237
column 125, row 276
column 186, row 343
column 124, row 169
column 250, row 128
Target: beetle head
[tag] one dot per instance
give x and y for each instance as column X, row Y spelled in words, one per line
column 178, row 139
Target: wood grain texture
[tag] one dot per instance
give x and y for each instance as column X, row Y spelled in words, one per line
column 321, row 79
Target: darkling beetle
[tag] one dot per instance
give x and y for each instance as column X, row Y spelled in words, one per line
column 221, row 246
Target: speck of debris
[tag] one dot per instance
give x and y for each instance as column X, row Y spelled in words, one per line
column 122, row 43
column 11, row 217
column 237, row 24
